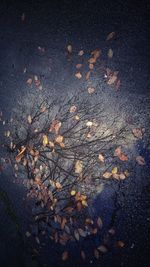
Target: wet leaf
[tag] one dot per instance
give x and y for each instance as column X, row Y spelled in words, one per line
column 110, row 53
column 110, row 36
column 65, row 256
column 107, row 175
column 91, row 90
column 140, row 160
column 45, row 140
column 29, row 119
column 73, row 109
column 78, row 167
column 78, row 75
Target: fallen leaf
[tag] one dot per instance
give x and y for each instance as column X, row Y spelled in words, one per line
column 120, row 244
column 45, row 140
column 82, row 232
column 81, row 53
column 110, row 36
column 112, row 79
column 118, row 151
column 114, row 170
column 78, row 66
column 77, row 118
column 20, row 155
column 29, row 81
column 101, row 158
column 84, row 203
column 88, row 75
column 89, row 123
column 122, row 157
column 83, row 256
column 102, row 249
column 64, row 220
column 96, row 254
column 91, row 66
column 51, row 144
column 96, row 53
column 107, row 175
column 29, row 119
column 73, row 193
column 76, row 235
column 59, row 139
column 78, row 75
column 110, row 53
column 99, row 222
column 65, row 256
column 23, row 16
column 55, row 126
column 73, row 109
column 91, row 90
column 122, row 176
column 140, row 160
column 78, row 167
column 58, row 185
column 138, row 133
column 112, row 231
column 118, row 83
column 92, row 60
column 69, row 48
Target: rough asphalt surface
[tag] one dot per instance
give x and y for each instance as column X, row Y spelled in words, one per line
column 84, row 24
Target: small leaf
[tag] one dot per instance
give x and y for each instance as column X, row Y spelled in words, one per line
column 110, row 53
column 112, row 79
column 20, row 155
column 110, row 36
column 82, row 232
column 122, row 157
column 102, row 249
column 138, row 133
column 81, row 53
column 99, row 222
column 76, row 235
column 55, row 126
column 88, row 75
column 78, row 66
column 114, row 170
column 91, row 66
column 78, row 75
column 140, row 160
column 69, row 48
column 92, row 60
column 107, row 175
column 64, row 220
column 59, row 139
column 89, row 123
column 120, row 244
column 73, row 193
column 58, row 185
column 101, row 158
column 91, row 90
column 65, row 256
column 78, row 167
column 96, row 254
column 45, row 140
column 83, row 256
column 29, row 119
column 73, row 109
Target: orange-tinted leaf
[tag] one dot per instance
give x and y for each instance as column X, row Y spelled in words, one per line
column 78, row 75
column 58, row 185
column 59, row 139
column 110, row 36
column 118, row 151
column 140, row 160
column 20, row 155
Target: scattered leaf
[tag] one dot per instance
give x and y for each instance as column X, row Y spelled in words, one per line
column 120, row 244
column 78, row 75
column 96, row 254
column 69, row 48
column 112, row 79
column 59, row 139
column 92, row 60
column 29, row 119
column 91, row 90
column 20, row 155
column 101, row 158
column 114, row 170
column 58, row 185
column 76, row 235
column 78, row 167
column 29, row 81
column 91, row 66
column 123, row 157
column 55, row 126
column 88, row 75
column 99, row 222
column 65, row 256
column 83, row 256
column 110, row 36
column 45, row 140
column 110, row 53
column 78, row 66
column 140, row 160
column 73, row 109
column 81, row 53
column 89, row 123
column 73, row 193
column 64, row 220
column 138, row 133
column 102, row 249
column 107, row 175
column 82, row 232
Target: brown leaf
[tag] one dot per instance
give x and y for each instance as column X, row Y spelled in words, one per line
column 138, row 133
column 120, row 244
column 65, row 256
column 102, row 249
column 78, row 75
column 140, row 160
column 29, row 81
column 78, row 167
column 118, row 83
column 88, row 75
column 20, row 155
column 59, row 139
column 64, row 220
column 96, row 53
column 91, row 66
column 110, row 36
column 112, row 79
column 123, row 157
column 58, row 185
column 92, row 60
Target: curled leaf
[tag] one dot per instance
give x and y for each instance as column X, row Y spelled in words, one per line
column 78, row 167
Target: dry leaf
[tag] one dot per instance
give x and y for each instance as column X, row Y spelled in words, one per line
column 122, row 157
column 20, row 155
column 140, row 160
column 110, row 36
column 92, row 60
column 77, row 118
column 76, row 235
column 78, row 66
column 91, row 66
column 58, row 185
column 117, row 85
column 96, row 254
column 88, row 75
column 78, row 167
column 91, row 90
column 65, row 256
column 89, row 123
column 55, row 126
column 64, row 220
column 69, row 49
column 101, row 158
column 59, row 139
column 120, row 244
column 110, row 53
column 112, row 79
column 82, row 232
column 72, row 193
column 73, row 109
column 81, row 52
column 137, row 132
column 122, row 176
column 107, row 175
column 118, row 151
column 51, row 144
column 84, row 203
column 45, row 140
column 114, row 170
column 29, row 81
column 29, row 119
column 96, row 53
column 78, row 75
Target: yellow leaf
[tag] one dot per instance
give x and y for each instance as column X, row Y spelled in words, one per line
column 78, row 166
column 29, row 81
column 110, row 53
column 114, row 170
column 84, row 203
column 29, row 119
column 107, row 175
column 78, row 75
column 59, row 139
column 72, row 193
column 45, row 140
column 110, row 36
